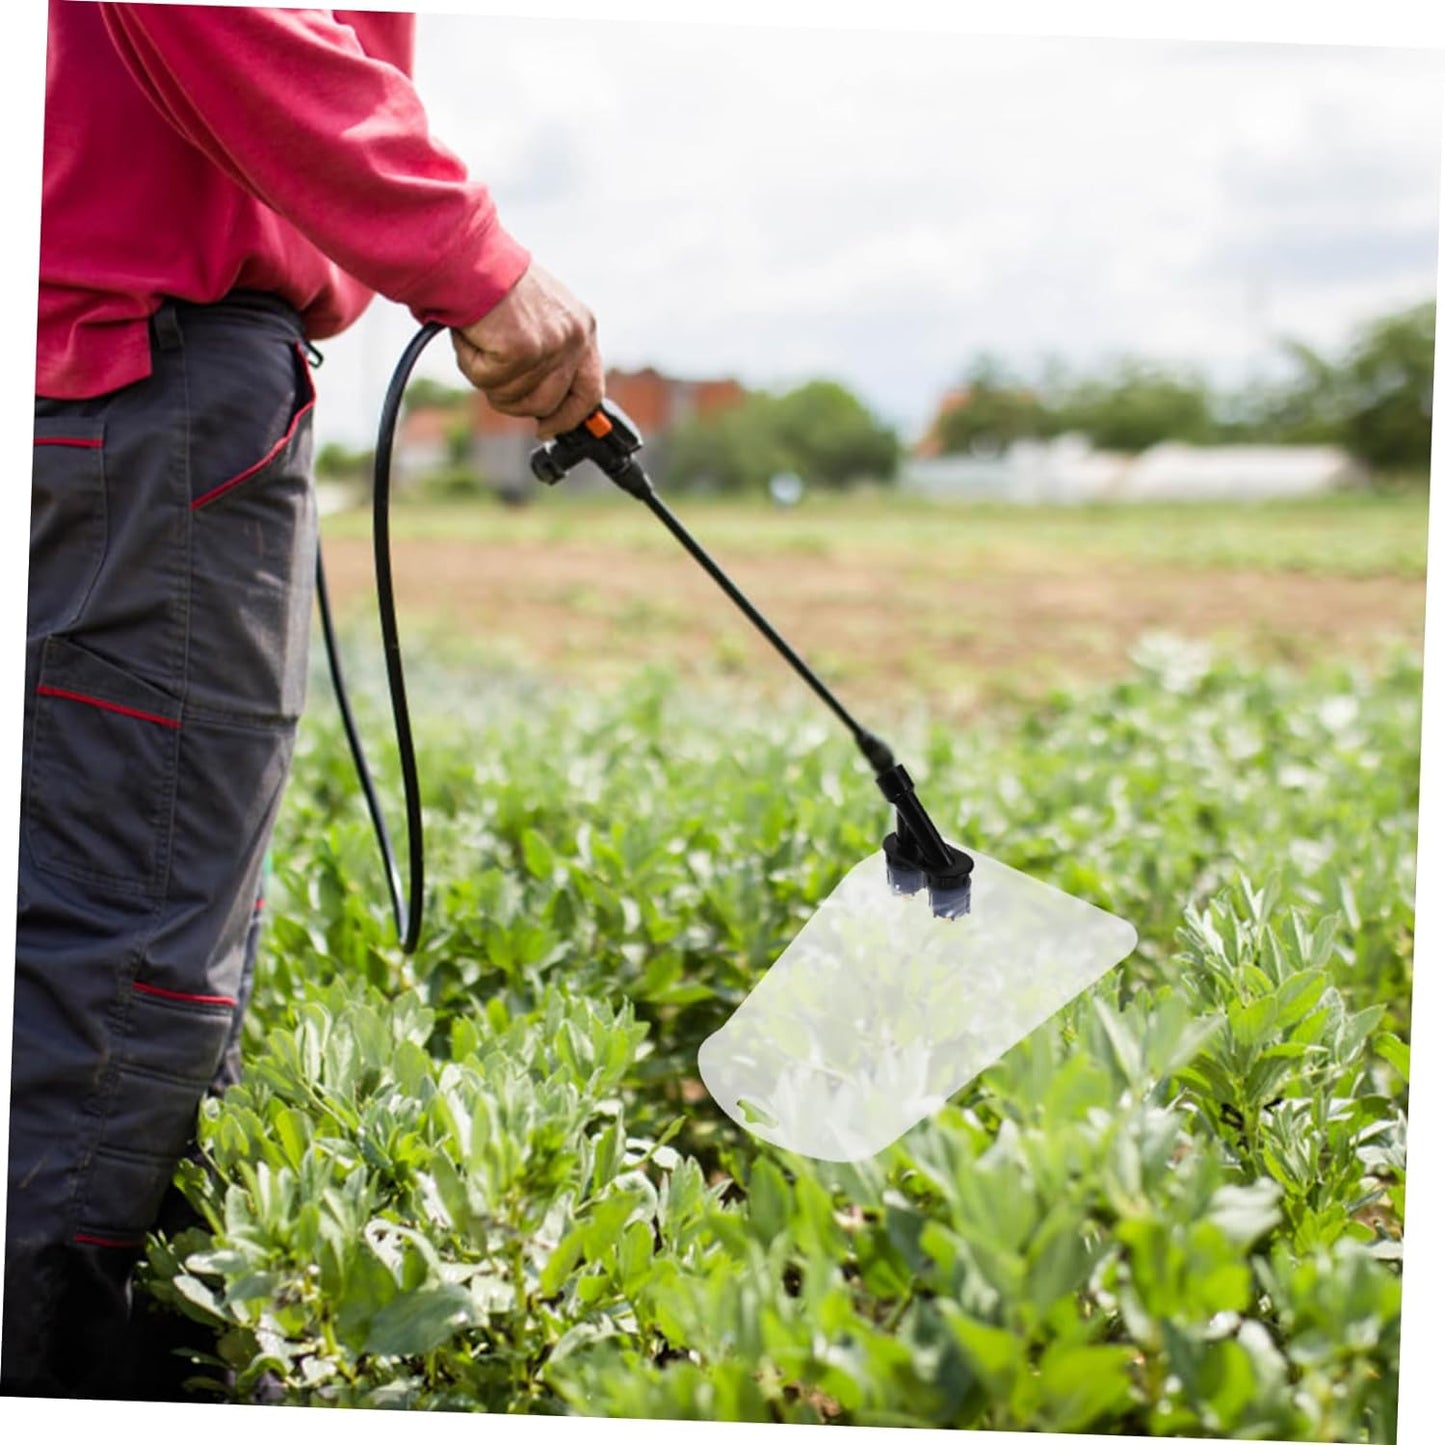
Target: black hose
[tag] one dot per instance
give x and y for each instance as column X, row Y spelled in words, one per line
column 406, row 911
column 873, row 748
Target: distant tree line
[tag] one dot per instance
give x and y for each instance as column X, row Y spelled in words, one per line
column 425, row 392
column 819, row 432
column 1374, row 400
column 334, row 461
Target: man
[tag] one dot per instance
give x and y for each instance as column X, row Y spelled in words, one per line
column 221, row 188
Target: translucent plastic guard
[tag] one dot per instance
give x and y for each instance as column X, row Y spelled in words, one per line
column 878, row 1011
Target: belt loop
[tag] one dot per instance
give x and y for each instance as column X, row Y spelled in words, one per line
column 166, row 327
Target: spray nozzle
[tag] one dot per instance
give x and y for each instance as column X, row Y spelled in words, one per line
column 917, row 855
column 950, row 891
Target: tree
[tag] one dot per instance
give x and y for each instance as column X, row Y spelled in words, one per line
column 1137, row 405
column 730, row 451
column 1388, row 379
column 997, row 411
column 831, row 438
column 335, row 460
column 459, row 442
column 1375, row 401
column 820, row 430
column 424, row 392
column 1305, row 408
column 1134, row 405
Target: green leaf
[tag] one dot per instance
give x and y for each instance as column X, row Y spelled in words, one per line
column 1127, row 1050
column 537, row 854
column 1245, row 1212
column 1226, row 1385
column 422, row 1320
column 1395, row 1052
column 1083, row 1387
column 768, row 1207
column 634, row 1255
column 195, row 1293
column 996, row 1356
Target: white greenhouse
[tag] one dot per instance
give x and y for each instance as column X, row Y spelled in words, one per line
column 1068, row 470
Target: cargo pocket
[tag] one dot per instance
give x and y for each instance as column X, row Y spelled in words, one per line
column 67, row 519
column 166, row 1055
column 99, row 799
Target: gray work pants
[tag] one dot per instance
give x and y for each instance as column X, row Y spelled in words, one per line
column 172, row 546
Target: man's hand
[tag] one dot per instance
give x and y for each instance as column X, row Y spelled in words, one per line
column 535, row 354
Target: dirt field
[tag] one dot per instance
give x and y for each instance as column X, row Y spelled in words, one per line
column 950, row 626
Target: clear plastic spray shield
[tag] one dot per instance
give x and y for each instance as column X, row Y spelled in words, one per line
column 879, row 1010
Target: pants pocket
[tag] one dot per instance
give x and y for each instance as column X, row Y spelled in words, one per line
column 165, row 1057
column 231, row 782
column 226, row 422
column 67, row 519
column 98, row 801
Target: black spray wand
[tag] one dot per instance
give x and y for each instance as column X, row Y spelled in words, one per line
column 916, row 852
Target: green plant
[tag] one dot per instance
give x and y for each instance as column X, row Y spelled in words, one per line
column 819, row 430
column 485, row 1177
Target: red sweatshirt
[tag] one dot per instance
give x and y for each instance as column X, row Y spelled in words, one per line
column 193, row 150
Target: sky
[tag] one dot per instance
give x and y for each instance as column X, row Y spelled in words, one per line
column 1182, row 198
column 880, row 207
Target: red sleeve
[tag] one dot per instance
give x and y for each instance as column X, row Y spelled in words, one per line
column 291, row 107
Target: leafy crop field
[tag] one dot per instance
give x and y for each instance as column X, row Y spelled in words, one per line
column 488, row 1178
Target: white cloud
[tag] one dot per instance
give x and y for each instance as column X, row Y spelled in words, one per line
column 879, row 206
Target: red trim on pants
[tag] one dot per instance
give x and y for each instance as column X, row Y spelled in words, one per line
column 45, row 690
column 211, row 998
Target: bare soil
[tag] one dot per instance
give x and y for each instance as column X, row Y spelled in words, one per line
column 955, row 635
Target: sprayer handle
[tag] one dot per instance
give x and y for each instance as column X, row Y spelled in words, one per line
column 606, row 438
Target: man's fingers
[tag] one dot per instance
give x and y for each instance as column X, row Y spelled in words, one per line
column 535, row 354
column 574, row 410
column 488, row 371
column 519, row 389
column 582, row 399
column 541, row 401
column 589, row 382
column 535, row 392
